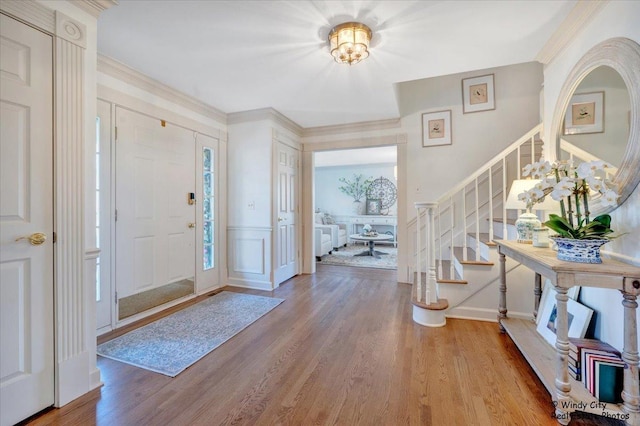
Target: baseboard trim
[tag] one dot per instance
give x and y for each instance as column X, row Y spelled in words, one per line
column 73, row 377
column 253, row 284
column 95, row 380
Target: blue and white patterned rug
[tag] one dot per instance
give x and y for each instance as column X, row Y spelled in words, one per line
column 171, row 344
column 345, row 257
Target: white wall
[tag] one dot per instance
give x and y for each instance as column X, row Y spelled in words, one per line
column 249, row 164
column 477, row 137
column 328, row 197
column 618, row 19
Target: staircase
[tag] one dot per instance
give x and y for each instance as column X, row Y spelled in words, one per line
column 454, row 249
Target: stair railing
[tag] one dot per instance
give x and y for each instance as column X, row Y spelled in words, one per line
column 569, row 151
column 454, row 215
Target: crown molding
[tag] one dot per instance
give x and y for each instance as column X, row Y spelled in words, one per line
column 581, row 14
column 364, row 126
column 265, row 114
column 364, row 142
column 31, row 12
column 122, row 72
column 95, row 7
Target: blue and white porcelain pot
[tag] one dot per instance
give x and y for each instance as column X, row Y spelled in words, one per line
column 582, row 251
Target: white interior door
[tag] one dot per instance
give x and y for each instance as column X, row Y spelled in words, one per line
column 155, row 225
column 26, row 210
column 286, row 252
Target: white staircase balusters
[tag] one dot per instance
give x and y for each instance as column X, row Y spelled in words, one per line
column 510, row 160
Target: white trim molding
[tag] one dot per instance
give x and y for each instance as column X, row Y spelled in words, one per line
column 364, row 142
column 249, row 257
column 124, row 73
column 96, row 7
column 71, row 30
column 265, row 114
column 581, row 14
column 32, row 13
column 340, row 129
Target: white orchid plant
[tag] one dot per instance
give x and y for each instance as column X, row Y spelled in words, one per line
column 572, row 187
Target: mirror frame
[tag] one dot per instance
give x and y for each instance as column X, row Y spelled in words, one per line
column 623, row 55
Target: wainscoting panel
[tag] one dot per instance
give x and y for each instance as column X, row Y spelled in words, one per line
column 250, row 257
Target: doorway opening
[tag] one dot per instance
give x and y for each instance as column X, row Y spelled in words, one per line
column 355, row 207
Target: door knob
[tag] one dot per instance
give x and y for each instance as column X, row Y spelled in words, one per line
column 280, row 219
column 34, row 239
column 192, row 225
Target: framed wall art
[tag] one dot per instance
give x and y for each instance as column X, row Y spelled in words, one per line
column 436, row 128
column 478, row 94
column 585, row 114
column 374, row 206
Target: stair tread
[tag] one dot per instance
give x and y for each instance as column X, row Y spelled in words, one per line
column 458, row 252
column 509, row 221
column 446, row 274
column 485, row 238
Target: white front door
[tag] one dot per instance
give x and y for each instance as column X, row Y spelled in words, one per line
column 286, row 239
column 155, row 225
column 26, row 210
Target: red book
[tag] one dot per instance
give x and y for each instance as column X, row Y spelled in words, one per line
column 590, row 365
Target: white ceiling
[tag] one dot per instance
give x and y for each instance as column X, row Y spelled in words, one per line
column 245, row 55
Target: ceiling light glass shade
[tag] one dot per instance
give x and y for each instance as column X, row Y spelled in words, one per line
column 350, row 42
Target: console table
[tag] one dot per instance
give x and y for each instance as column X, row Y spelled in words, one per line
column 551, row 365
column 379, row 223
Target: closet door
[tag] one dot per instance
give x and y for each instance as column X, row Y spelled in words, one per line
column 26, row 221
column 155, row 222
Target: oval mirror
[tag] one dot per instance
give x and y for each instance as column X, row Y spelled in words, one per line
column 597, row 120
column 597, row 116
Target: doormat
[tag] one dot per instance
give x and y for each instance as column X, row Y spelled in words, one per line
column 171, row 344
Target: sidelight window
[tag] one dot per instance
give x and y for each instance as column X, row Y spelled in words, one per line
column 208, row 208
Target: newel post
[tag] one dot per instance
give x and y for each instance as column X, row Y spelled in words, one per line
column 428, row 308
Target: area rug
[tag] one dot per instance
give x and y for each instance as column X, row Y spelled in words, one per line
column 345, row 257
column 173, row 343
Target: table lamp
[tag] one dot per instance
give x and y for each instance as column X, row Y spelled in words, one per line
column 527, row 222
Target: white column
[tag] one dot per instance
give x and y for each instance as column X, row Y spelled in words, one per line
column 72, row 353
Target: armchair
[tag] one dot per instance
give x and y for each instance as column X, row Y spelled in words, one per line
column 338, row 231
column 322, row 243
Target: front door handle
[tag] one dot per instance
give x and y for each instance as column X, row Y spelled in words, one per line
column 34, row 239
column 191, row 225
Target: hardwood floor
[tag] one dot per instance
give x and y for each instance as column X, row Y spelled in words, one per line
column 342, row 349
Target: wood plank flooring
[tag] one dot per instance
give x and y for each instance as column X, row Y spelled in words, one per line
column 342, row 349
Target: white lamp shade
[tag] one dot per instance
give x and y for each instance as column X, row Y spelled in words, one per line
column 521, row 185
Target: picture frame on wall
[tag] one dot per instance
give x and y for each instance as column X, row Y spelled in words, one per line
column 578, row 315
column 478, row 94
column 374, row 206
column 585, row 114
column 436, row 128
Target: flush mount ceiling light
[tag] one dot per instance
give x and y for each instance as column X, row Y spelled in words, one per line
column 349, row 42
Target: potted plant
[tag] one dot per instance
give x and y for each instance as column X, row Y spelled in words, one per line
column 579, row 238
column 356, row 189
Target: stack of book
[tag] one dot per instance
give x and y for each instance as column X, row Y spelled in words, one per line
column 598, row 366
